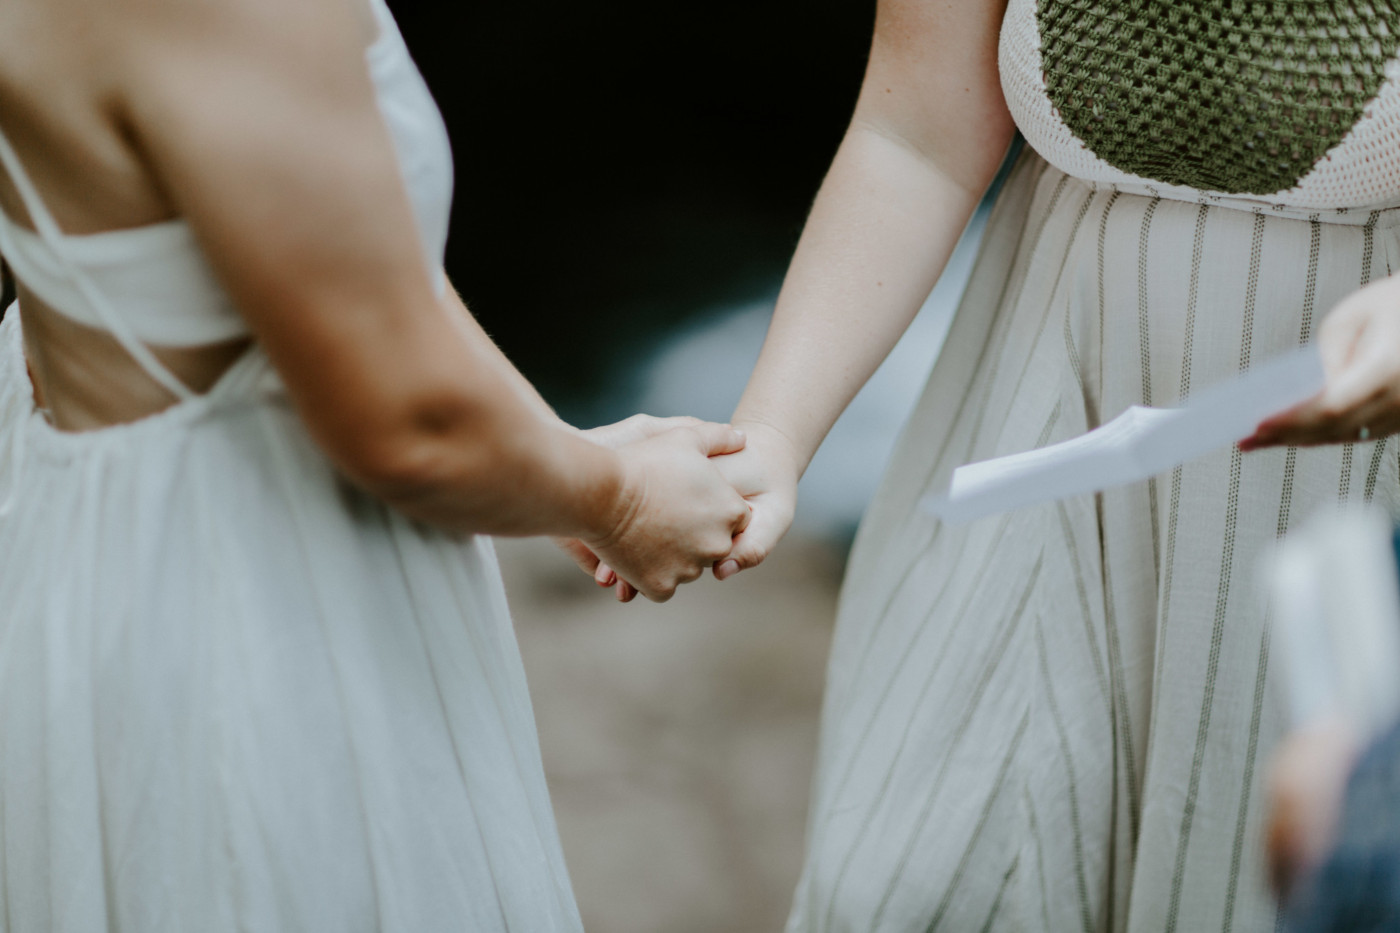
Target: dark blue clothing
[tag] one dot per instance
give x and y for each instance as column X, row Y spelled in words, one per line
column 1357, row 889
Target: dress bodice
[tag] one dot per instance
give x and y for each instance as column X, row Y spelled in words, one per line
column 1286, row 105
column 156, row 279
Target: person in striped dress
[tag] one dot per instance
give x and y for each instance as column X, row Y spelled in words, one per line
column 1058, row 718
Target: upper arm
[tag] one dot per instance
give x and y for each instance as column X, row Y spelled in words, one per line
column 932, row 84
column 259, row 120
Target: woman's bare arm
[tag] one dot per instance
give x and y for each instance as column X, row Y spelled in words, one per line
column 929, row 131
column 259, row 120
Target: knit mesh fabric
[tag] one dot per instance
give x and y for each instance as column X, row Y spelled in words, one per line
column 1236, row 96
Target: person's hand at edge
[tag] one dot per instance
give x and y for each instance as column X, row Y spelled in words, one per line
column 1360, row 346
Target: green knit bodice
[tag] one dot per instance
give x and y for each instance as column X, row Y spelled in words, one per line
column 1238, row 96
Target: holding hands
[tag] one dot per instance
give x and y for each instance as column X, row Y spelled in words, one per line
column 765, row 473
column 677, row 516
column 706, row 495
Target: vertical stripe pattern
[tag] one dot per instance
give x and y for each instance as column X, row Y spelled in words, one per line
column 1058, row 716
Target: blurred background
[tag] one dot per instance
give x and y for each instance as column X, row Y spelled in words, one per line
column 631, row 181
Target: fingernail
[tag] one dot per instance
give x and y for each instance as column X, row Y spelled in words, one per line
column 727, row 569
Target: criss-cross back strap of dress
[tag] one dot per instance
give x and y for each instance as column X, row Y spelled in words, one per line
column 55, row 239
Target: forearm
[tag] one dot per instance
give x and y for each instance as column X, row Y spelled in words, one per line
column 450, row 433
column 881, row 230
column 496, row 475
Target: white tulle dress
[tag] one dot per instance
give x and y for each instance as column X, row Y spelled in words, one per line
column 235, row 693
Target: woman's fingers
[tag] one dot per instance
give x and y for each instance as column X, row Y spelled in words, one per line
column 744, row 471
column 748, row 553
column 579, row 553
column 771, row 519
column 1360, row 346
column 1367, row 401
column 716, row 440
column 684, row 517
column 637, row 428
column 745, row 517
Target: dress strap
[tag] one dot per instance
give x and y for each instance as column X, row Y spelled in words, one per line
column 49, row 231
column 15, row 406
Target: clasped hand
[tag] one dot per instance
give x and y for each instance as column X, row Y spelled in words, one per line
column 1360, row 345
column 710, row 496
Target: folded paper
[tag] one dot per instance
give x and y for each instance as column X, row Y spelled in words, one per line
column 1138, row 444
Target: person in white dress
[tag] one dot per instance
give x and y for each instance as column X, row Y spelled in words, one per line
column 256, row 666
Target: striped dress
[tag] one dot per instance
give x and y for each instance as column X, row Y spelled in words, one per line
column 1058, row 719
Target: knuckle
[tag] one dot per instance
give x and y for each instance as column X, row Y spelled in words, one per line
column 658, row 588
column 714, row 550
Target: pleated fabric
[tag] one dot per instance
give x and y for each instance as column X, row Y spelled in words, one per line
column 237, row 694
column 1057, row 719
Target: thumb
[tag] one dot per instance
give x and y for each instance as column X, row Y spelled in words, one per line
column 1339, row 335
column 748, row 552
column 717, row 439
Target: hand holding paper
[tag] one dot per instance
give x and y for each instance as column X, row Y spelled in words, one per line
column 1138, row 444
column 1359, row 341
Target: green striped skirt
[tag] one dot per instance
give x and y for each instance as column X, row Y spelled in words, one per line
column 1058, row 719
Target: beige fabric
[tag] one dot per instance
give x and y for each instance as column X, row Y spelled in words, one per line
column 1358, row 173
column 1057, row 719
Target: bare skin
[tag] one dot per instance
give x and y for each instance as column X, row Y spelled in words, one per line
column 1307, row 784
column 929, row 131
column 1360, row 345
column 256, row 122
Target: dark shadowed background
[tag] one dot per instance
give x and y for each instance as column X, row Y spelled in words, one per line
column 622, row 166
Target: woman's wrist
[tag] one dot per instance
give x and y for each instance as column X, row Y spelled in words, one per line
column 610, row 498
column 774, row 442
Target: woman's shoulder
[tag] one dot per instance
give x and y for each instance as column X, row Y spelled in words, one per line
column 84, row 82
column 126, row 36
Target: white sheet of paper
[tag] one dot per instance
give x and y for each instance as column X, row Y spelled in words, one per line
column 1138, row 444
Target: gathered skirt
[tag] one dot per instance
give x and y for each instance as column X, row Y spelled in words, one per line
column 237, row 694
column 1057, row 719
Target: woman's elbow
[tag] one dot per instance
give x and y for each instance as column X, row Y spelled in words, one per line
column 416, row 449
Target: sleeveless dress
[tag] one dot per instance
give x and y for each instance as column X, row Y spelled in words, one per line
column 1058, row 718
column 235, row 693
